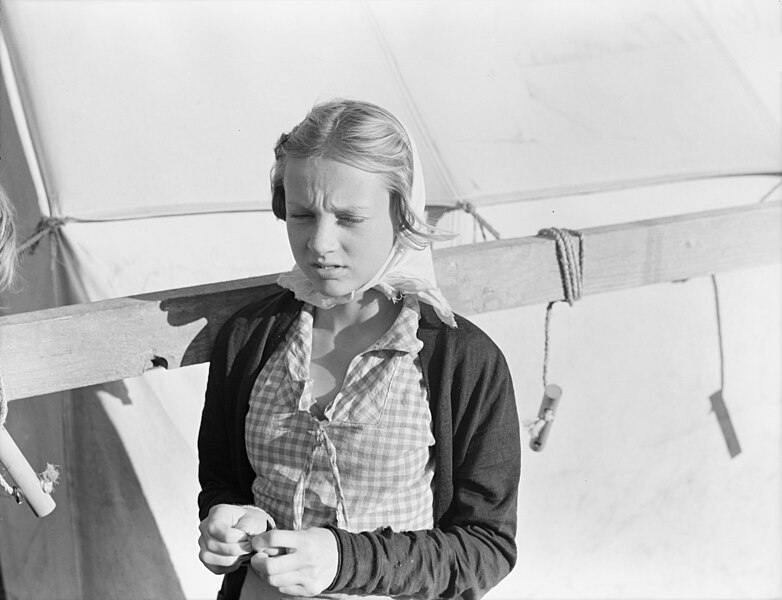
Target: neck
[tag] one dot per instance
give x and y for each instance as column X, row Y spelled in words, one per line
column 372, row 308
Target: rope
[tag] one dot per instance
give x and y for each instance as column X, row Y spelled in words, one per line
column 479, row 220
column 46, row 226
column 570, row 256
column 571, row 260
column 546, row 343
column 768, row 194
column 720, row 342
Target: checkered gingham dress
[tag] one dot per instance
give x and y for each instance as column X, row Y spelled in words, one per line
column 368, row 462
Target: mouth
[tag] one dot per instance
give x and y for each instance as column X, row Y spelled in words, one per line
column 327, row 270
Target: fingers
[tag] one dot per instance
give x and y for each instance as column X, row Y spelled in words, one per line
column 282, row 563
column 216, row 561
column 254, row 522
column 307, row 566
column 221, row 531
column 277, row 539
column 241, row 546
column 221, row 545
column 219, row 539
column 282, row 573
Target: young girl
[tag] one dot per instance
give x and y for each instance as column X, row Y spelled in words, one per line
column 357, row 437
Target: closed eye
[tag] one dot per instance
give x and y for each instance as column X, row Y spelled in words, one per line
column 349, row 219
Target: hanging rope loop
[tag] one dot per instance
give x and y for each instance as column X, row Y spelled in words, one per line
column 570, row 255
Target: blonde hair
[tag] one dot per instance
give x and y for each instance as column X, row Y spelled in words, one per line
column 8, row 253
column 365, row 136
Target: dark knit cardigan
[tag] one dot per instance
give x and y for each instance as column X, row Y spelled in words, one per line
column 477, row 451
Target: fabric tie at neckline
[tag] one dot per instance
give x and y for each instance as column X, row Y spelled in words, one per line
column 322, row 440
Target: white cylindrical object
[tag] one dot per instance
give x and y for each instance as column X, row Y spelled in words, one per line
column 25, row 478
column 551, row 396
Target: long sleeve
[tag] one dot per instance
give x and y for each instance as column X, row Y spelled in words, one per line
column 472, row 547
column 477, row 458
column 217, row 471
column 239, row 352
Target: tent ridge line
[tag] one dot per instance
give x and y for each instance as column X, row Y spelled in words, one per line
column 598, row 187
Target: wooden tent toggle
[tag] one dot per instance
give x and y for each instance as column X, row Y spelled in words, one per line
column 569, row 246
column 539, row 429
column 28, row 484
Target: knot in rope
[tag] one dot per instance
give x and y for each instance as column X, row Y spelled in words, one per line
column 570, row 255
column 466, row 207
column 484, row 225
column 46, row 226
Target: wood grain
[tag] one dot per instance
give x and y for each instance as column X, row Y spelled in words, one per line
column 75, row 346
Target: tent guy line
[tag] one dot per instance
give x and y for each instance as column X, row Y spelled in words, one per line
column 48, row 225
column 468, row 204
column 569, row 246
column 535, row 195
column 717, row 399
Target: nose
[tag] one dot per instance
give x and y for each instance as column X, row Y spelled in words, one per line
column 323, row 237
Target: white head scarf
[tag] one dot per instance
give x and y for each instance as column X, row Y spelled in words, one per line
column 408, row 270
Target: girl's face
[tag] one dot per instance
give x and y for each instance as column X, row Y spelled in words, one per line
column 339, row 224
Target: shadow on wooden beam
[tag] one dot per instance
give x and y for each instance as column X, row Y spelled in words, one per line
column 79, row 345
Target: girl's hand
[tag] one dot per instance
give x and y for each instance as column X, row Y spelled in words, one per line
column 298, row 563
column 226, row 535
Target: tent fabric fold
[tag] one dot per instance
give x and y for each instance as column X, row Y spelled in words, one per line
column 172, row 108
column 152, row 125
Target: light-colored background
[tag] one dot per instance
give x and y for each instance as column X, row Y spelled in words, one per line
column 540, row 114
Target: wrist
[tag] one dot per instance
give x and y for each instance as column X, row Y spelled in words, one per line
column 334, row 586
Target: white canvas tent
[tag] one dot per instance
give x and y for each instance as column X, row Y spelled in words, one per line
column 147, row 128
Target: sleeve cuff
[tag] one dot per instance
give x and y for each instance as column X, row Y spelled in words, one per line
column 344, row 559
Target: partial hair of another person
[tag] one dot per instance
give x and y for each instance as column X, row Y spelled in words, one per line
column 365, row 136
column 8, row 253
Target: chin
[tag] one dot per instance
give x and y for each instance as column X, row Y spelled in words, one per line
column 333, row 289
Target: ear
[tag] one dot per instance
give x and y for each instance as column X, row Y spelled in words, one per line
column 278, row 201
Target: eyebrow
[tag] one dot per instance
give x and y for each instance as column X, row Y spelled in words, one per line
column 336, row 209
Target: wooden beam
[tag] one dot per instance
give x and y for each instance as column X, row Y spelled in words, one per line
column 74, row 346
